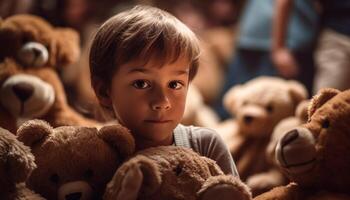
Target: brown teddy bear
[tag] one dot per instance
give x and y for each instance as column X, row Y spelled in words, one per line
column 31, row 52
column 263, row 182
column 74, row 162
column 257, row 107
column 196, row 111
column 315, row 155
column 170, row 172
column 16, row 164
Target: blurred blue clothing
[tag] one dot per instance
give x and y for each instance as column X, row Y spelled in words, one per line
column 256, row 25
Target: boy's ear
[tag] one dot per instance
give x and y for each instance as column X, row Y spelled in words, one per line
column 102, row 93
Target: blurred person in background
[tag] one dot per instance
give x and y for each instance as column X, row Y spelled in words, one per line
column 254, row 45
column 332, row 54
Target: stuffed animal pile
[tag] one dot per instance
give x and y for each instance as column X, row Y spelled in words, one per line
column 170, row 172
column 74, row 162
column 257, row 106
column 315, row 155
column 31, row 52
column 16, row 164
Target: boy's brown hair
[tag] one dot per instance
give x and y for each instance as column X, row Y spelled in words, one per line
column 142, row 33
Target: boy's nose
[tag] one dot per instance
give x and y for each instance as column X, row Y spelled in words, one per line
column 161, row 105
column 161, row 102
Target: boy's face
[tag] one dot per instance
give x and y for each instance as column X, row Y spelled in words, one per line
column 150, row 100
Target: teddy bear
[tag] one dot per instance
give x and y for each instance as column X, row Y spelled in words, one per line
column 196, row 111
column 314, row 155
column 257, row 106
column 171, row 172
column 264, row 181
column 74, row 162
column 31, row 53
column 16, row 164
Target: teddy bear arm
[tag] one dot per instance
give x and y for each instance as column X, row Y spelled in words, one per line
column 289, row 192
column 138, row 175
column 264, row 182
column 224, row 187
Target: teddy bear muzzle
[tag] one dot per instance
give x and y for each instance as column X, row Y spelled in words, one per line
column 26, row 96
column 77, row 190
column 295, row 151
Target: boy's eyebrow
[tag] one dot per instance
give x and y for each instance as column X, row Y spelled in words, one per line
column 142, row 70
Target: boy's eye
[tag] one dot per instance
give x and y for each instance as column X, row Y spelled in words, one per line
column 141, row 84
column 175, row 85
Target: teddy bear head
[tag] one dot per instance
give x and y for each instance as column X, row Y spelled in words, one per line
column 16, row 162
column 31, row 53
column 261, row 103
column 34, row 43
column 74, row 162
column 300, row 117
column 170, row 172
column 315, row 154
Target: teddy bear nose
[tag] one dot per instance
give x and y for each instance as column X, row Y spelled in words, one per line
column 23, row 91
column 248, row 119
column 73, row 196
column 289, row 137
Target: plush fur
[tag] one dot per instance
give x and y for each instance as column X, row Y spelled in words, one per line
column 16, row 164
column 196, row 111
column 170, row 172
column 315, row 155
column 31, row 52
column 257, row 107
column 264, row 181
column 74, row 160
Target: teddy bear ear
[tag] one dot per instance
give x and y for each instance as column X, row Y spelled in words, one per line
column 18, row 158
column 68, row 47
column 119, row 138
column 33, row 131
column 297, row 92
column 230, row 97
column 321, row 98
column 139, row 175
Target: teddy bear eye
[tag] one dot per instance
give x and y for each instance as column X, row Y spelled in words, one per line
column 325, row 123
column 178, row 170
column 88, row 174
column 269, row 108
column 54, row 178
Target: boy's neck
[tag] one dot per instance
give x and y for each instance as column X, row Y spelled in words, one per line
column 142, row 143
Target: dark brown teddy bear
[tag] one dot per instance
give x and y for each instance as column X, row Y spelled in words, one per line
column 173, row 173
column 31, row 52
column 16, row 164
column 315, row 155
column 74, row 162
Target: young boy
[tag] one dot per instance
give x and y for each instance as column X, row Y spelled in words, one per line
column 142, row 61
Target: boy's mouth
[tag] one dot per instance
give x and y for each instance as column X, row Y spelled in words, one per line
column 157, row 121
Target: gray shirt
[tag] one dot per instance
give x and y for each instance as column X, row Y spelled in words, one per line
column 207, row 143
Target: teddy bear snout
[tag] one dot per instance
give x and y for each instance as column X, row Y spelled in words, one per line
column 33, row 54
column 26, row 96
column 23, row 91
column 77, row 190
column 296, row 151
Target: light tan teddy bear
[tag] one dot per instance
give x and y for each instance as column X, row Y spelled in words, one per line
column 170, row 172
column 74, row 162
column 196, row 111
column 31, row 53
column 315, row 155
column 257, row 107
